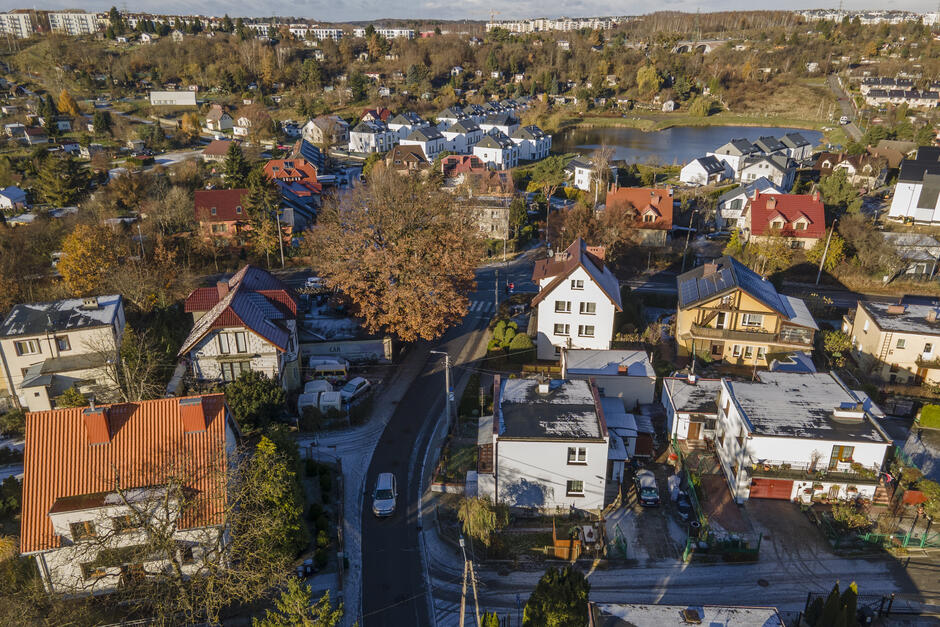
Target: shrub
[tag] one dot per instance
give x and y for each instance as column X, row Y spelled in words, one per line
column 507, row 337
column 13, row 422
column 499, row 331
column 492, row 345
column 326, row 483
column 521, row 347
column 323, row 540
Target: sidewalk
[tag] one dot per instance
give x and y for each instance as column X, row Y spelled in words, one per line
column 354, row 447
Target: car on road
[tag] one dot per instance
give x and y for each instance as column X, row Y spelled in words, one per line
column 646, row 491
column 384, row 495
column 719, row 235
column 355, row 388
column 844, row 119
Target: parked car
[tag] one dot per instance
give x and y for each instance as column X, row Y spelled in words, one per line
column 844, row 119
column 646, row 491
column 384, row 495
column 314, row 282
column 354, row 388
column 684, row 506
column 719, row 235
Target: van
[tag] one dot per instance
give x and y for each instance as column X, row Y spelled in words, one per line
column 325, row 368
column 384, row 495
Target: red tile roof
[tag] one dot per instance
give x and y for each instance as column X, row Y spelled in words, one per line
column 762, row 209
column 644, row 200
column 142, row 443
column 217, row 148
column 452, row 165
column 562, row 264
column 227, row 204
column 294, row 169
column 253, row 279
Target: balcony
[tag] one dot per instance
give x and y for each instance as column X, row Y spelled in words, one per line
column 803, row 471
column 788, row 337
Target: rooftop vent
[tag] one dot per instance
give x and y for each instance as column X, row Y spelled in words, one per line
column 709, row 269
column 771, row 202
column 932, row 315
column 691, row 616
column 222, row 288
column 90, row 302
column 96, row 425
column 192, row 414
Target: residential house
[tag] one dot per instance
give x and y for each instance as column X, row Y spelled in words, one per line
column 800, row 218
column 462, row 136
column 731, row 204
column 218, row 119
column 36, row 136
column 546, row 446
column 917, row 193
column 450, row 116
column 769, row 145
column 135, row 145
column 624, row 374
column 497, row 151
column 12, row 197
column 216, row 150
column 429, row 139
column 656, row 615
column 89, row 151
column 797, row 147
column 457, row 70
column 669, row 106
column 896, row 343
column 691, row 404
column 245, row 323
column 90, row 472
column 488, row 195
column 49, row 347
column 705, row 171
column 798, row 436
column 578, row 297
column 221, row 214
column 866, row 169
column 301, row 192
column 327, row 130
column 405, row 159
column 455, row 168
column 504, row 122
column 649, row 208
column 919, row 251
column 405, row 123
column 242, row 126
column 533, row 143
column 372, row 136
column 173, row 98
column 304, row 149
column 778, row 169
column 735, row 152
column 381, row 114
column 728, row 312
column 583, row 173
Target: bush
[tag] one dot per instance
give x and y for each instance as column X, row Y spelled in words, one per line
column 521, row 348
column 13, row 422
column 320, row 558
column 323, row 540
column 499, row 331
column 507, row 338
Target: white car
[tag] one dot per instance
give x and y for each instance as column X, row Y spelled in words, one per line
column 844, row 119
column 384, row 495
column 315, row 282
column 354, row 388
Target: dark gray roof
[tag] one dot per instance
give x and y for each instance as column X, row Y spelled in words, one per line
column 926, row 162
column 463, row 126
column 794, row 140
column 529, row 132
column 711, row 164
column 737, row 147
column 425, row 134
column 769, row 144
column 567, row 412
column 451, row 112
column 61, row 315
column 929, row 192
column 700, row 397
column 500, row 119
column 778, row 162
column 912, row 320
column 496, row 139
column 761, row 184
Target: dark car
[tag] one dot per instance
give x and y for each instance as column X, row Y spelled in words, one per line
column 646, row 491
column 684, row 506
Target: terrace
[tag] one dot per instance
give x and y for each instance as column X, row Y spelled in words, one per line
column 844, row 471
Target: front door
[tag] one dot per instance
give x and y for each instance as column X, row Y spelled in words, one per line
column 695, row 430
column 919, row 376
column 718, row 350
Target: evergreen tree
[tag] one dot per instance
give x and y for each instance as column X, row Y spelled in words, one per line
column 116, row 21
column 255, row 400
column 101, row 121
column 294, row 609
column 62, row 181
column 559, row 600
column 235, row 167
column 357, row 85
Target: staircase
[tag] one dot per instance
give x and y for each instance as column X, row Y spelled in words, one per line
column 882, row 495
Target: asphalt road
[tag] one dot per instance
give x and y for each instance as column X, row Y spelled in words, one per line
column 394, row 586
column 845, row 103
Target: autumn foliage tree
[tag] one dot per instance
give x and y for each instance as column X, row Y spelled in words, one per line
column 401, row 252
column 67, row 104
column 90, row 254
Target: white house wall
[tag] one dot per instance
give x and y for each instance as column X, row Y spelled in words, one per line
column 602, row 320
column 904, row 203
column 261, row 355
column 633, row 390
column 535, row 474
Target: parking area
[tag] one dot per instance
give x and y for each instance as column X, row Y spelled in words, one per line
column 785, row 528
column 647, row 534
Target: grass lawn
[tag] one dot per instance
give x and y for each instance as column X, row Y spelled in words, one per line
column 459, row 457
column 655, row 121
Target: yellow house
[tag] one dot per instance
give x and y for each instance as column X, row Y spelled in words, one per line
column 728, row 313
column 897, row 343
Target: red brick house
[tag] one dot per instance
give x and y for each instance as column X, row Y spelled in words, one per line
column 220, row 213
column 650, row 209
column 801, row 218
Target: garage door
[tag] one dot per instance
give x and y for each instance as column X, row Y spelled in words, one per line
column 771, row 489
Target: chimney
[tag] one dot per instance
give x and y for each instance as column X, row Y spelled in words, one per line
column 544, row 386
column 932, row 315
column 815, row 195
column 897, row 309
column 90, row 302
column 693, row 379
column 709, row 269
column 222, row 288
column 96, row 425
column 755, row 195
column 772, row 201
column 192, row 415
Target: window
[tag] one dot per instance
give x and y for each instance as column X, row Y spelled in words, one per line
column 82, row 530
column 752, row 320
column 575, row 488
column 776, row 224
column 577, row 455
column 760, row 352
column 842, row 453
column 800, row 226
column 126, row 523
column 241, row 345
column 92, row 571
column 562, row 306
column 62, row 343
column 186, row 555
column 586, row 330
column 736, row 350
column 28, row 347
column 649, row 217
column 223, row 344
column 218, row 228
column 212, row 211
column 562, row 329
column 928, row 348
column 901, row 343
column 231, row 370
column 588, row 309
column 238, row 209
column 748, row 352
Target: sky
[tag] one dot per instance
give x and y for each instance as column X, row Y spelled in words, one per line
column 352, row 10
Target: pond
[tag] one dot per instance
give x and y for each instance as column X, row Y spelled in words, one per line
column 676, row 145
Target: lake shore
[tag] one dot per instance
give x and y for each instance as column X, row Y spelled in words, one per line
column 654, row 121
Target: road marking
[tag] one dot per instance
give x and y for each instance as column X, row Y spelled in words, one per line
column 480, row 306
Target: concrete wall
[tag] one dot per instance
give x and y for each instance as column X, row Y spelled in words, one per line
column 535, row 474
column 602, row 319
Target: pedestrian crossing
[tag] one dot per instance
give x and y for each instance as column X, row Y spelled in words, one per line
column 480, row 306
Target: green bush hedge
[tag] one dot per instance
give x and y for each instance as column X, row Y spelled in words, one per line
column 930, row 417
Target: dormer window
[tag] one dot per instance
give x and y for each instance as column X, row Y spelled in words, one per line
column 212, row 211
column 649, row 217
column 800, row 226
column 776, row 224
column 238, row 209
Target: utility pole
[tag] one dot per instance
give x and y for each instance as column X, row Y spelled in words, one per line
column 280, row 236
column 496, row 292
column 687, row 235
column 825, row 251
column 476, row 601
column 448, row 393
column 463, row 591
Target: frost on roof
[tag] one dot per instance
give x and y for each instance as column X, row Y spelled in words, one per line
column 566, row 412
column 913, row 320
column 608, row 362
column 651, row 615
column 785, row 404
column 698, row 398
column 60, row 315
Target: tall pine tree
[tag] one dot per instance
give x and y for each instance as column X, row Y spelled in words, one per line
column 236, row 167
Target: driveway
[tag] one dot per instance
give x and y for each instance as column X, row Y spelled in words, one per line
column 647, row 534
